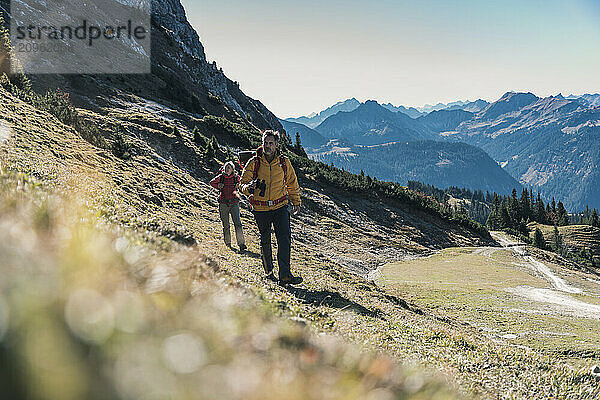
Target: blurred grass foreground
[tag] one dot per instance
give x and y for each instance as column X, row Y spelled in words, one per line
column 89, row 310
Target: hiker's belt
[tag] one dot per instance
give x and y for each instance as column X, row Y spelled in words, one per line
column 229, row 201
column 268, row 203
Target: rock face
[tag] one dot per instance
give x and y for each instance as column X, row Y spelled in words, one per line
column 510, row 102
column 444, row 120
column 171, row 15
column 181, row 76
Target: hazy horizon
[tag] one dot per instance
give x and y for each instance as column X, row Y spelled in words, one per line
column 302, row 58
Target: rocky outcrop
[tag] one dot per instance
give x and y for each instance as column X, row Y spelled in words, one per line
column 181, row 75
column 171, row 15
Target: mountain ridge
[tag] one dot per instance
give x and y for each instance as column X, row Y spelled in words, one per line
column 547, row 143
column 433, row 162
column 313, row 120
column 180, row 75
column 371, row 123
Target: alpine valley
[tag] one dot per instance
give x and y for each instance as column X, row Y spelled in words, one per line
column 551, row 145
column 116, row 283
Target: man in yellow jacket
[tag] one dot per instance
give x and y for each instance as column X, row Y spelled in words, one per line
column 270, row 182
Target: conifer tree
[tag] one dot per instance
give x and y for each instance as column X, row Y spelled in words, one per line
column 493, row 221
column 584, row 218
column 525, row 205
column 298, row 149
column 531, row 198
column 538, row 239
column 211, row 148
column 557, row 240
column 595, row 220
column 505, row 220
column 540, row 210
column 514, row 209
column 199, row 139
column 561, row 215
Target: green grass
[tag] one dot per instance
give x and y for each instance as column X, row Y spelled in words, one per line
column 110, row 314
column 583, row 241
column 159, row 207
column 470, row 287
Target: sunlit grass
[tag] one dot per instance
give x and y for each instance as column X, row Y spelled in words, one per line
column 473, row 286
column 91, row 311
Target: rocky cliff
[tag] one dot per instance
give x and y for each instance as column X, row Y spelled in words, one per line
column 181, row 76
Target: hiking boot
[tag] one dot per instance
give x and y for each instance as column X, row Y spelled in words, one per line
column 271, row 277
column 291, row 280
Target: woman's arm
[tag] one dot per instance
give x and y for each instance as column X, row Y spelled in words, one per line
column 216, row 182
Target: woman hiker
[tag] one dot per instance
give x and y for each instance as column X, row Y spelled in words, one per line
column 227, row 182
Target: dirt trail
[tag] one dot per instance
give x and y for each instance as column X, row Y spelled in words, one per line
column 556, row 296
column 4, row 132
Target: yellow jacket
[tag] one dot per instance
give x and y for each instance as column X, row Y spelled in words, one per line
column 276, row 188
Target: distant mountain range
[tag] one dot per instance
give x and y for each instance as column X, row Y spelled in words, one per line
column 550, row 144
column 308, row 137
column 315, row 119
column 441, row 164
column 472, row 106
column 370, row 123
column 592, row 100
column 410, row 111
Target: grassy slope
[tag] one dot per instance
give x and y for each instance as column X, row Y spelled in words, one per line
column 578, row 237
column 474, row 286
column 98, row 312
column 162, row 201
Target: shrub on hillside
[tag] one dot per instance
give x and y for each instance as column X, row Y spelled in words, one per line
column 244, row 136
column 121, row 147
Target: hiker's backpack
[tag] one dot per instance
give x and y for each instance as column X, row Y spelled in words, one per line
column 245, row 156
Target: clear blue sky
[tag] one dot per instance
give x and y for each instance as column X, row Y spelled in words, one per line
column 302, row 56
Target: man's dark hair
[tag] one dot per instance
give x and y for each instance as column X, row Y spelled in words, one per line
column 270, row 132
